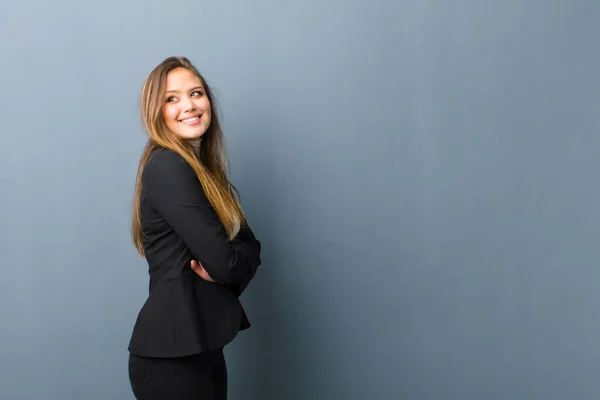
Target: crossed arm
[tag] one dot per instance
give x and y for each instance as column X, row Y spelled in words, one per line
column 242, row 282
column 178, row 196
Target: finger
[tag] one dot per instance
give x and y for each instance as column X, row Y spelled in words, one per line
column 205, row 275
column 199, row 269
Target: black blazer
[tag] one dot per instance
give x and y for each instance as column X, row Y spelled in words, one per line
column 185, row 314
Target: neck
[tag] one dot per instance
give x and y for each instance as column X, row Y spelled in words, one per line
column 195, row 143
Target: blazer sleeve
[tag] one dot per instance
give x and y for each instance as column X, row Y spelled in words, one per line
column 177, row 194
column 239, row 285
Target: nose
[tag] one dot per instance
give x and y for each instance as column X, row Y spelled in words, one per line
column 188, row 104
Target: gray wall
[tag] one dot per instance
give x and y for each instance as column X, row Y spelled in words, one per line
column 423, row 176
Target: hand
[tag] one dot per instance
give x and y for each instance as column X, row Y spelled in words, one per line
column 199, row 269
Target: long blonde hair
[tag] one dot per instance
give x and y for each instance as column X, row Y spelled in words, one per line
column 210, row 166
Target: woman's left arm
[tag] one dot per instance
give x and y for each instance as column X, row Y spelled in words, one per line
column 239, row 285
column 247, row 236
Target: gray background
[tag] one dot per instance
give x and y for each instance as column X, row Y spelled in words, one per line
column 423, row 176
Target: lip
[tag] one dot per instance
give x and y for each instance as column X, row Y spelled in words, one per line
column 190, row 120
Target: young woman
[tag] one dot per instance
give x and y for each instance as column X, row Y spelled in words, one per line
column 191, row 229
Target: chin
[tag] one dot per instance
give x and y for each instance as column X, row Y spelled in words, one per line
column 193, row 135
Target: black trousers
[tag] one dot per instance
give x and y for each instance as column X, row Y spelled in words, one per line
column 199, row 377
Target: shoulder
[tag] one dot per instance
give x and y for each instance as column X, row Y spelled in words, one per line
column 162, row 156
column 165, row 163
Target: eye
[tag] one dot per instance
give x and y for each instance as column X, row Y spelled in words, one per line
column 197, row 93
column 170, row 99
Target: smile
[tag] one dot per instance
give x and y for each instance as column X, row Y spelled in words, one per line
column 190, row 120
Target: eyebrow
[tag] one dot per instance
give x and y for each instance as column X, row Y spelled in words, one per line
column 177, row 91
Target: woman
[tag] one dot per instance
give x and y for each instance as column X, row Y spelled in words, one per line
column 191, row 229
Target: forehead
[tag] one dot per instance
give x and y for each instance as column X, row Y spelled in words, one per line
column 181, row 79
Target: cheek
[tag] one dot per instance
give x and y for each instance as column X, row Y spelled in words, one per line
column 204, row 104
column 170, row 114
column 208, row 111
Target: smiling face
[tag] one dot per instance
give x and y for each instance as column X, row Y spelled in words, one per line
column 186, row 108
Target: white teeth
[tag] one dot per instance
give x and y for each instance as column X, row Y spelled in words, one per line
column 188, row 120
